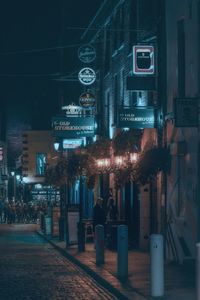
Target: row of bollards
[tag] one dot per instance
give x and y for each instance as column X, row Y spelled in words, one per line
column 156, row 254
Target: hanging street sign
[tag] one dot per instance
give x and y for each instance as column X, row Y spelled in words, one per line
column 87, row 53
column 186, row 112
column 87, row 100
column 72, row 143
column 87, row 76
column 73, row 126
column 143, row 60
column 135, row 117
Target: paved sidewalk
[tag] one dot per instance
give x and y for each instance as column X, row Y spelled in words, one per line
column 179, row 283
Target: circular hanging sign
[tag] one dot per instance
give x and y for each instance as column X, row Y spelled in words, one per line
column 87, row 76
column 87, row 53
column 87, row 100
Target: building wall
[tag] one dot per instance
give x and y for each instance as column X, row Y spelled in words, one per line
column 36, row 142
column 183, row 179
column 121, row 25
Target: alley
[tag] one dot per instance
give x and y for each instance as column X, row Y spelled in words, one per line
column 31, row 269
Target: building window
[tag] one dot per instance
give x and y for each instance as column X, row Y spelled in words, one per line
column 41, row 160
column 133, row 98
column 181, row 57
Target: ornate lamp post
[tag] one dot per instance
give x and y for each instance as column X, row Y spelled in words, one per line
column 58, row 148
column 14, row 184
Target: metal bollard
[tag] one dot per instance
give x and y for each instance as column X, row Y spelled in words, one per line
column 198, row 271
column 99, row 243
column 122, row 251
column 157, row 265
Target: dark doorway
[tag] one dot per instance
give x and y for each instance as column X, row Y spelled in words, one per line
column 132, row 213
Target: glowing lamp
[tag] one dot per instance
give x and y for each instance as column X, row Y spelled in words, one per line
column 133, row 157
column 56, row 146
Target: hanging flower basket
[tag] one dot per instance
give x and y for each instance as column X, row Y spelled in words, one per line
column 57, row 175
column 76, row 166
column 127, row 141
column 100, row 149
column 150, row 162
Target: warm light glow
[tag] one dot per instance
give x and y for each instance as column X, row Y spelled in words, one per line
column 119, row 160
column 103, row 163
column 133, row 157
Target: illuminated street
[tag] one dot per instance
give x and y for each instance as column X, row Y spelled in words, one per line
column 100, row 150
column 31, row 269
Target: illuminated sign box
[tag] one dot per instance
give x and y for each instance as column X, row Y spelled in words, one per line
column 73, row 126
column 72, row 143
column 143, row 60
column 138, row 118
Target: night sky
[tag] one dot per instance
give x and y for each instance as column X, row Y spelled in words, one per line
column 30, row 61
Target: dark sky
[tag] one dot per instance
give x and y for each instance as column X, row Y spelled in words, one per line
column 27, row 26
column 30, row 32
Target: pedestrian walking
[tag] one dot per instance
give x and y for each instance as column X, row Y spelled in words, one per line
column 99, row 215
column 112, row 212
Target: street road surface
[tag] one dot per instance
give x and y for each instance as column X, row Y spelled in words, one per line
column 32, row 269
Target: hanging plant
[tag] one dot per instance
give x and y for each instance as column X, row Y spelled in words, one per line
column 90, row 181
column 76, row 165
column 151, row 161
column 57, row 175
column 121, row 177
column 126, row 141
column 99, row 149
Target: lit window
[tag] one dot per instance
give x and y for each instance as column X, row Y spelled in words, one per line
column 40, row 163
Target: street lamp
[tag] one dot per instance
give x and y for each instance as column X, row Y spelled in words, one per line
column 133, row 157
column 14, row 184
column 58, row 147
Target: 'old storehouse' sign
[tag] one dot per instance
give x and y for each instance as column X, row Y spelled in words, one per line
column 138, row 118
column 73, row 126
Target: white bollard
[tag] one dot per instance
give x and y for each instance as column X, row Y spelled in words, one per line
column 99, row 244
column 122, row 251
column 157, row 265
column 47, row 225
column 198, row 271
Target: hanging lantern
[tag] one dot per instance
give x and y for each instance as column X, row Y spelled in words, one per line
column 133, row 157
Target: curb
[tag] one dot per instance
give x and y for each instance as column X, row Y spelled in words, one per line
column 89, row 271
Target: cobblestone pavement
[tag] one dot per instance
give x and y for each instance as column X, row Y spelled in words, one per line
column 30, row 268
